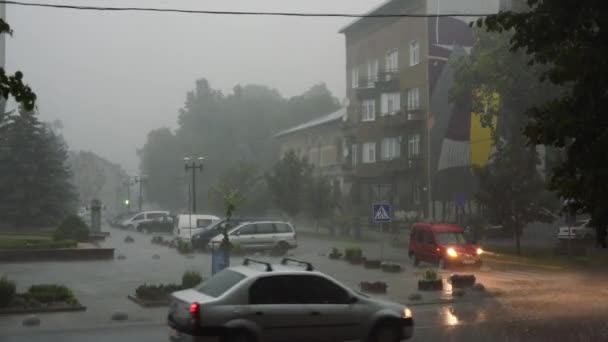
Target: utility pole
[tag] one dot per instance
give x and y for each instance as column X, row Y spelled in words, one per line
column 140, row 180
column 193, row 165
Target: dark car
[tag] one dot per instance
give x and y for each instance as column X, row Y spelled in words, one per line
column 201, row 240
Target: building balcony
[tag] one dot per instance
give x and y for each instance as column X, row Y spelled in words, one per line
column 386, row 168
column 388, row 81
column 367, row 88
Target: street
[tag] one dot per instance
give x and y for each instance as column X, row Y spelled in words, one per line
column 519, row 304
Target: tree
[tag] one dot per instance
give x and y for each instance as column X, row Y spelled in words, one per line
column 315, row 102
column 319, row 198
column 12, row 85
column 512, row 191
column 35, row 177
column 286, row 182
column 567, row 40
column 224, row 128
column 246, row 179
column 501, row 87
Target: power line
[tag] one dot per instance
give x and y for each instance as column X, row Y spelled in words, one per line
column 248, row 13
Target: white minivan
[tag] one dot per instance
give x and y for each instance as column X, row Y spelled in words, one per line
column 187, row 225
column 135, row 220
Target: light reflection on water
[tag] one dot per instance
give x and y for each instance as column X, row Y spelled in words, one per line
column 450, row 319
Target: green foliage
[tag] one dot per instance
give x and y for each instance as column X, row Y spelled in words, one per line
column 564, row 39
column 72, row 228
column 184, row 247
column 246, row 180
column 8, row 289
column 191, row 278
column 156, row 292
column 225, row 128
column 500, row 84
column 287, row 181
column 353, row 253
column 33, row 242
column 49, row 293
column 430, row 275
column 319, row 198
column 34, row 176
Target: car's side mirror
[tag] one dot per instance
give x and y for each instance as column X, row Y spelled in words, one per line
column 353, row 300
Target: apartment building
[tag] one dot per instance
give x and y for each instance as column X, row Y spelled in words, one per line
column 405, row 142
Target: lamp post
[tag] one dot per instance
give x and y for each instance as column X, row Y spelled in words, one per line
column 140, row 180
column 128, row 182
column 192, row 164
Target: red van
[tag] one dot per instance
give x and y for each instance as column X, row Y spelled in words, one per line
column 443, row 244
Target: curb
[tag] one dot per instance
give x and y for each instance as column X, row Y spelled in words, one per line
column 41, row 310
column 148, row 303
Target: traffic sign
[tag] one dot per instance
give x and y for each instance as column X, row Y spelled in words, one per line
column 381, row 212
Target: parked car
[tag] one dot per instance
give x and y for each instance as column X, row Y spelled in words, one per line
column 134, row 222
column 275, row 236
column 187, row 225
column 277, row 303
column 581, row 230
column 117, row 220
column 163, row 224
column 443, row 244
column 201, row 239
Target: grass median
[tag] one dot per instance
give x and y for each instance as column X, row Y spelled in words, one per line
column 545, row 257
column 12, row 242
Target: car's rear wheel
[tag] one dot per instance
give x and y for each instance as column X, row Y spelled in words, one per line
column 386, row 332
column 280, row 249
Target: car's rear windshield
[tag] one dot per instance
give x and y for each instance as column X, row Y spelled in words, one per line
column 220, row 283
column 450, row 238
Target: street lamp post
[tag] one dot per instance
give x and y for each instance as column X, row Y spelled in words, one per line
column 140, row 180
column 193, row 165
column 127, row 182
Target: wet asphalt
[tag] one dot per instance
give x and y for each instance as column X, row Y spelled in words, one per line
column 520, row 305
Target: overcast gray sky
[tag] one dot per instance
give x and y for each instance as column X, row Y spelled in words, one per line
column 112, row 77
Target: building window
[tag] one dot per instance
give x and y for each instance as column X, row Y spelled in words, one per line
column 413, row 99
column 353, row 154
column 391, row 148
column 355, row 77
column 392, row 61
column 368, row 110
column 372, row 73
column 413, row 146
column 390, row 103
column 414, row 52
column 369, row 152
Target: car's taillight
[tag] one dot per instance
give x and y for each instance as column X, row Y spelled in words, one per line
column 195, row 316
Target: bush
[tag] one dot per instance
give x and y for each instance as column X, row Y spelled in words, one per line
column 8, row 290
column 156, row 292
column 72, row 228
column 190, row 279
column 353, row 253
column 183, row 246
column 25, row 242
column 49, row 293
column 430, row 275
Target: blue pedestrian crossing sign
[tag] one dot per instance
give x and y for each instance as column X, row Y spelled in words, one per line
column 381, row 212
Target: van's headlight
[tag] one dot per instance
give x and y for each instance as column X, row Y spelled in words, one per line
column 479, row 251
column 451, row 252
column 407, row 313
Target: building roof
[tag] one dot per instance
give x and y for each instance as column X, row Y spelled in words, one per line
column 380, row 9
column 335, row 116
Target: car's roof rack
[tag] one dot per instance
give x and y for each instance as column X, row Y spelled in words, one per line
column 248, row 261
column 308, row 265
